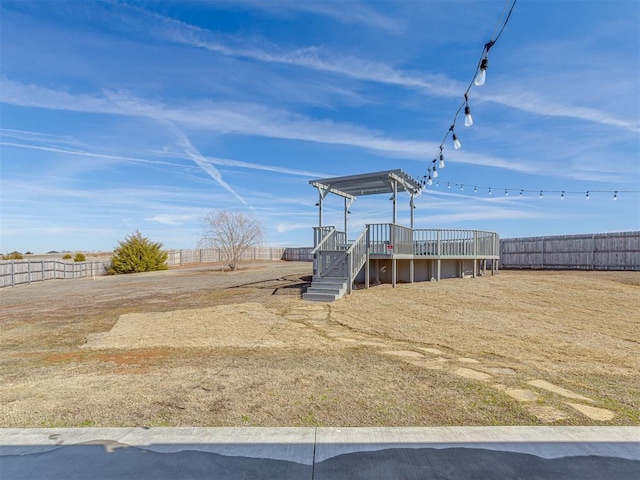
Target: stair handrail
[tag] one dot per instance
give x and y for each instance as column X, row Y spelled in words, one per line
column 357, row 256
column 325, row 240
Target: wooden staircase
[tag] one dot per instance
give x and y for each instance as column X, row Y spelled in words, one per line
column 335, row 266
column 326, row 289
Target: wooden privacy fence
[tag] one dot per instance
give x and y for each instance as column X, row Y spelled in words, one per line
column 598, row 251
column 301, row 254
column 216, row 255
column 18, row 272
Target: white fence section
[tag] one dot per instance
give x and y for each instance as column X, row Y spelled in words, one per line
column 301, row 254
column 598, row 251
column 216, row 255
column 19, row 272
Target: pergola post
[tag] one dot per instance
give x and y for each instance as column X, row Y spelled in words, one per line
column 320, row 207
column 412, row 206
column 395, row 201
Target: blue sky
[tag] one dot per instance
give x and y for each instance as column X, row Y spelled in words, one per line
column 118, row 117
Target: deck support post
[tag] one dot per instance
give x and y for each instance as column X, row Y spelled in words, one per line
column 394, row 272
column 411, row 271
column 438, row 266
column 367, row 270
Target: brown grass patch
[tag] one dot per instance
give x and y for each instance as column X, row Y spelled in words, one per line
column 198, row 347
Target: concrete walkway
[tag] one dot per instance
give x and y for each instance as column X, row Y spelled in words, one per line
column 321, row 453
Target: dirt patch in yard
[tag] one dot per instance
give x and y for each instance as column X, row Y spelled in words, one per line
column 203, row 347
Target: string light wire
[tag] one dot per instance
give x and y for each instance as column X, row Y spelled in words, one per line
column 482, row 64
column 522, row 192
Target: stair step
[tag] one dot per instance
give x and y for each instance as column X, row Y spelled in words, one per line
column 339, row 290
column 327, row 289
column 340, row 280
column 319, row 297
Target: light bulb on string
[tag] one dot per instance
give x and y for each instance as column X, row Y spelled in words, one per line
column 540, row 193
column 448, row 184
column 468, row 120
column 437, row 183
column 615, row 196
column 461, row 187
column 456, row 143
column 562, row 196
column 429, row 181
column 441, row 159
column 475, row 189
column 490, row 193
column 435, row 172
column 587, row 197
column 521, row 193
column 481, row 78
column 506, row 192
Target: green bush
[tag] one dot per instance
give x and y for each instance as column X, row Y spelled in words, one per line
column 80, row 257
column 66, row 256
column 137, row 254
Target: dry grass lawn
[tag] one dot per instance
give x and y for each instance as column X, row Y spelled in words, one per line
column 199, row 347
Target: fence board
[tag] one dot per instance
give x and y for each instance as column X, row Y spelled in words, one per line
column 19, row 272
column 598, row 251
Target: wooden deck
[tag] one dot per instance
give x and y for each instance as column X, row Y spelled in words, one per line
column 390, row 253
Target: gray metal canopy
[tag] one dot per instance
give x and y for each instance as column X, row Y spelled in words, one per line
column 354, row 186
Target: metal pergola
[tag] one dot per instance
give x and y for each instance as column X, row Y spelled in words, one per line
column 353, row 186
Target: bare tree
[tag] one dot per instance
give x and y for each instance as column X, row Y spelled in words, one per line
column 232, row 232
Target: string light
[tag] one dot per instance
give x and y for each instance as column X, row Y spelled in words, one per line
column 456, row 143
column 468, row 120
column 562, row 193
column 479, row 79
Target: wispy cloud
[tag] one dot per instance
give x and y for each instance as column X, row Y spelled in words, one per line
column 200, row 160
column 251, row 120
column 358, row 13
column 317, row 58
column 173, row 219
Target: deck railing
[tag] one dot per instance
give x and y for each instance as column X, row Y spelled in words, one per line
column 387, row 239
column 319, row 234
column 332, row 240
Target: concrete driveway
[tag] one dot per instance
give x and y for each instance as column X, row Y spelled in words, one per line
column 499, row 453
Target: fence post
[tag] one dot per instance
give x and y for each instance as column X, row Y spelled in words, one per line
column 42, row 270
